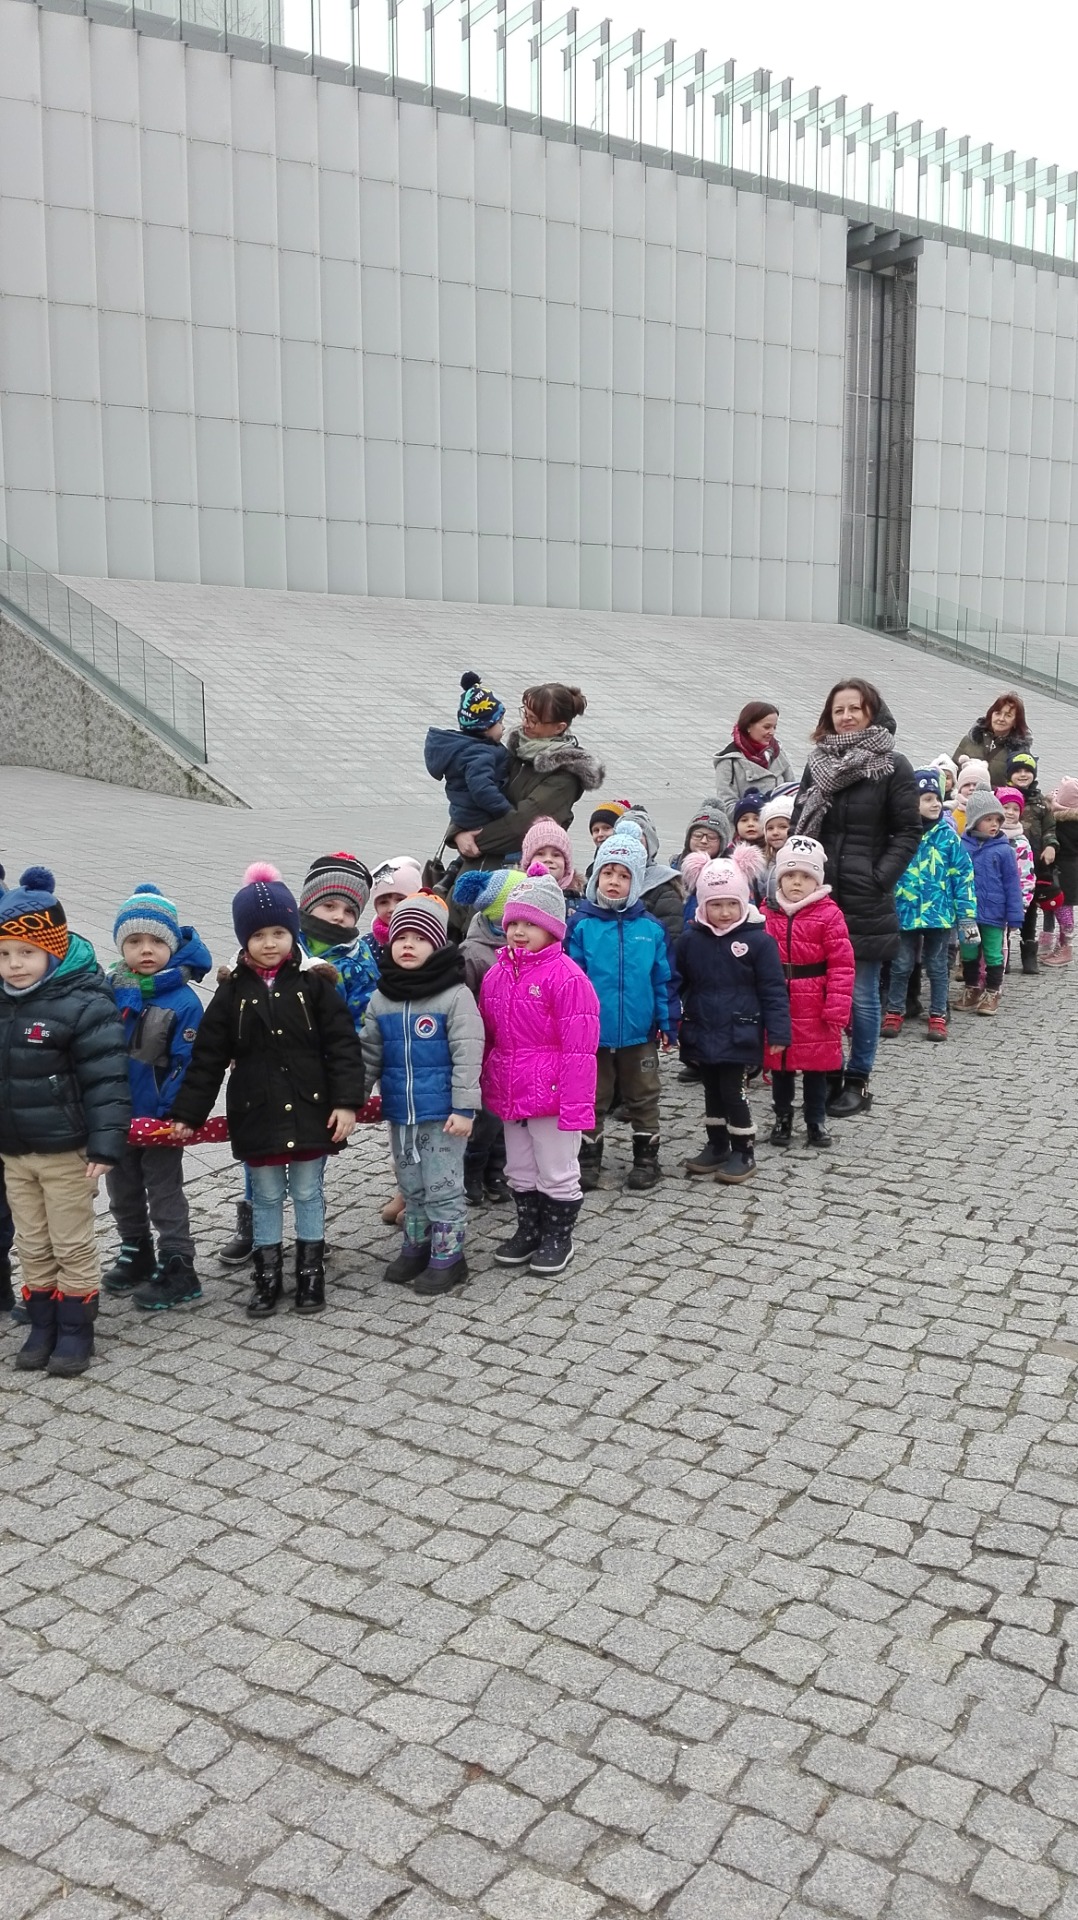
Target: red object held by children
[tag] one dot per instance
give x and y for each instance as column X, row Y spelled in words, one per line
column 147, row 1132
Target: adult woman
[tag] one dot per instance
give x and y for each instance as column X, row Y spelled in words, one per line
column 549, row 770
column 1002, row 731
column 752, row 758
column 859, row 798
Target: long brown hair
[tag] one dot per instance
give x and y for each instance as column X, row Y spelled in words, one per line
column 871, row 700
column 552, row 702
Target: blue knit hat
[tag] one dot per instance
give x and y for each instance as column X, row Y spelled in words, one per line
column 263, row 901
column 31, row 914
column 479, row 708
column 929, row 780
column 147, row 911
column 751, row 801
column 622, row 848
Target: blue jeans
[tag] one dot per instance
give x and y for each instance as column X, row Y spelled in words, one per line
column 430, row 1174
column 302, row 1179
column 935, row 944
column 866, row 1019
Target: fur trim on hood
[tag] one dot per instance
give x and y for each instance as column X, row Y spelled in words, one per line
column 307, row 964
column 568, row 754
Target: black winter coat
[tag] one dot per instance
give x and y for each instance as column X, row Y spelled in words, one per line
column 296, row 1056
column 870, row 833
column 733, row 989
column 63, row 1065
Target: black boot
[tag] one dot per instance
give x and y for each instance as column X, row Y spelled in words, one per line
column 268, row 1262
column 1028, row 951
column 496, row 1187
column 412, row 1260
column 310, row 1276
column 7, row 1292
column 239, row 1249
column 591, row 1162
column 473, row 1185
column 33, row 1356
column 854, row 1098
column 713, row 1156
column 173, row 1284
column 518, row 1251
column 646, row 1171
column 742, row 1162
column 135, row 1263
column 556, row 1248
column 817, row 1134
column 783, row 1130
column 74, row 1334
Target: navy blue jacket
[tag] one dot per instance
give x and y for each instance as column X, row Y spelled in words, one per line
column 733, row 989
column 476, row 773
column 995, row 876
column 627, row 958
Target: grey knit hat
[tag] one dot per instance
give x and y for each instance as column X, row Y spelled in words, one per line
column 982, row 803
column 539, row 900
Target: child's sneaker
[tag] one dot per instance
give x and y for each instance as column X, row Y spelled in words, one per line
column 135, row 1263
column 175, row 1284
column 937, row 1027
column 989, row 1002
column 892, row 1026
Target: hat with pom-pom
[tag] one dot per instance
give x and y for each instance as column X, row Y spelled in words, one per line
column 31, row 914
column 751, row 801
column 973, row 773
column 479, row 708
column 608, row 813
column 779, row 805
column 488, row 892
column 539, row 900
column 1011, row 797
column 623, row 848
column 336, row 876
column 263, row 901
column 147, row 911
column 423, row 913
column 720, row 880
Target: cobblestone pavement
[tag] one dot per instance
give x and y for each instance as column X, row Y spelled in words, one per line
column 731, row 1575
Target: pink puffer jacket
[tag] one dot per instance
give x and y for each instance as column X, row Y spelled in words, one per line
column 817, row 959
column 541, row 1014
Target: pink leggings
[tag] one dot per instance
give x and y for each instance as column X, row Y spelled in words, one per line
column 539, row 1158
column 1065, row 919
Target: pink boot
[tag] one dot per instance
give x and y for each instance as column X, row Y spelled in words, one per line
column 1047, row 942
column 1062, row 956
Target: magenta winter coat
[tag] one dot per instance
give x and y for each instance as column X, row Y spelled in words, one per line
column 817, row 959
column 541, row 1014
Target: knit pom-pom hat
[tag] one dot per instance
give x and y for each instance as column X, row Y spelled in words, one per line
column 539, row 900
column 479, row 708
column 399, row 874
column 423, row 913
column 147, row 911
column 263, row 901
column 691, row 868
column 929, row 780
column 973, row 773
column 751, row 801
column 338, row 876
column 711, row 816
column 1011, row 797
column 31, row 914
column 488, row 892
column 981, row 805
column 801, row 855
column 546, row 832
column 608, row 813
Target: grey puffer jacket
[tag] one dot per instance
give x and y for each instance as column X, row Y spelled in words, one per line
column 63, row 1064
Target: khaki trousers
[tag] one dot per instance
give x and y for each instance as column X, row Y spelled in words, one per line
column 52, row 1205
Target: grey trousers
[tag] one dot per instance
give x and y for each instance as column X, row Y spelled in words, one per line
column 145, row 1188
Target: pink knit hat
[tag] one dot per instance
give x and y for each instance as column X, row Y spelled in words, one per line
column 1066, row 794
column 537, row 899
column 801, row 855
column 1011, row 797
column 546, row 832
column 720, row 880
column 400, row 874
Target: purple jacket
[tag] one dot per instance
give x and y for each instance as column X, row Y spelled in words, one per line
column 541, row 1014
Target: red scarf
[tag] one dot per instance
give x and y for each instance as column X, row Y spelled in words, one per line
column 753, row 750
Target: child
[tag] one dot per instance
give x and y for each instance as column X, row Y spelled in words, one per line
column 159, row 1013
column 707, row 832
column 484, row 1154
column 331, row 904
column 747, row 823
column 294, row 1090
column 817, row 961
column 64, row 1113
column 542, row 1031
column 1012, row 800
column 1065, row 809
column 948, row 772
column 472, row 761
column 549, row 844
column 935, row 895
column 423, row 1039
column 392, row 882
column 626, row 956
column 1039, row 827
column 662, row 893
column 775, row 817
column 604, row 819
column 971, row 774
column 999, row 901
column 732, row 989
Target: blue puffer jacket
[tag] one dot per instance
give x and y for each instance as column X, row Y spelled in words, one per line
column 355, row 963
column 159, row 1016
column 995, row 876
column 476, row 773
column 427, row 1053
column 937, row 889
column 733, row 989
column 626, row 956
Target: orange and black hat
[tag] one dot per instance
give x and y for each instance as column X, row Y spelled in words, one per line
column 31, row 913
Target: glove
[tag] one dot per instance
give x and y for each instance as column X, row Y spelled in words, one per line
column 970, row 933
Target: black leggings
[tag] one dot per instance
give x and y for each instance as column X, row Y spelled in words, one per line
column 725, row 1104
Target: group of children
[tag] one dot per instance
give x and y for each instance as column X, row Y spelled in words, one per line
column 499, row 1059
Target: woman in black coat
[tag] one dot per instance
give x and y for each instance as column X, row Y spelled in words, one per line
column 858, row 797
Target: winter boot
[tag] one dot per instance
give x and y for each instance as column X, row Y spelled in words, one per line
column 1028, row 952
column 310, row 1276
column 591, row 1162
column 1046, row 942
column 496, row 1187
column 816, row 1134
column 473, row 1186
column 1062, row 956
column 646, row 1171
column 742, row 1162
column 556, row 1248
column 135, row 1263
column 412, row 1260
column 854, row 1098
column 783, row 1130
column 937, row 1027
column 518, row 1251
column 174, row 1284
column 33, row 1355
column 892, row 1025
column 7, row 1292
column 238, row 1250
column 268, row 1263
column 714, row 1155
column 989, row 1001
column 74, row 1347
column 447, row 1266
column 968, row 1000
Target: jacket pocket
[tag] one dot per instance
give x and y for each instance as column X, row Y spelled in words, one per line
column 65, row 1093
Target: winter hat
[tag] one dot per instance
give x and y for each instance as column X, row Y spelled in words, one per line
column 929, row 780
column 32, row 914
column 1011, row 797
column 623, row 848
column 263, row 901
column 975, row 771
column 645, row 826
column 945, row 764
column 422, row 913
column 546, row 832
column 479, row 708
column 539, row 900
column 982, row 803
column 1022, row 763
column 751, row 801
column 802, row 855
column 720, row 880
column 147, row 911
column 609, row 812
column 1065, row 796
column 336, row 875
column 399, row 874
column 711, row 816
column 488, row 892
column 780, row 806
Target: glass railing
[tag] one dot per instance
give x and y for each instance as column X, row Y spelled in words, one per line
column 161, row 693
column 941, row 626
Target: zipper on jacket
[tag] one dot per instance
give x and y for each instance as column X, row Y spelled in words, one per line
column 621, row 980
column 303, row 1003
column 409, row 1078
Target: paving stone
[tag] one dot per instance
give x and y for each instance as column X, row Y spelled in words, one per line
column 560, row 1841
column 715, row 1891
column 455, row 1865
column 844, row 1883
column 637, row 1877
column 1015, row 1885
column 526, row 1895
column 615, row 1799
column 766, row 1851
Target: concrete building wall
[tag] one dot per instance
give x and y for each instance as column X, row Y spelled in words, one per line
column 995, row 500
column 264, row 330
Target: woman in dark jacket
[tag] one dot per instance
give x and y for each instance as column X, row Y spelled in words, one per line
column 859, row 798
column 1003, row 730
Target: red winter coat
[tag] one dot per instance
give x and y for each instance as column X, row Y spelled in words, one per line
column 817, row 959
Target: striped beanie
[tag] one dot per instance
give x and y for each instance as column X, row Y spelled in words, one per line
column 538, row 899
column 338, row 876
column 608, row 813
column 147, row 911
column 31, row 914
column 422, row 913
column 487, row 892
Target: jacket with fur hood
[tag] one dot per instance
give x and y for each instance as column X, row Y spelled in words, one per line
column 541, row 1017
column 551, row 783
column 869, row 833
column 817, row 961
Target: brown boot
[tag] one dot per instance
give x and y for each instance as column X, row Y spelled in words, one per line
column 969, row 1000
column 1062, row 956
column 989, row 1001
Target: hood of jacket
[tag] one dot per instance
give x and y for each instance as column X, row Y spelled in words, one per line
column 564, row 754
column 443, row 747
column 885, row 718
column 192, row 960
column 482, row 934
column 79, row 958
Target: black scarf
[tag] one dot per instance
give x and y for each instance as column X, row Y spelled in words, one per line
column 445, row 968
